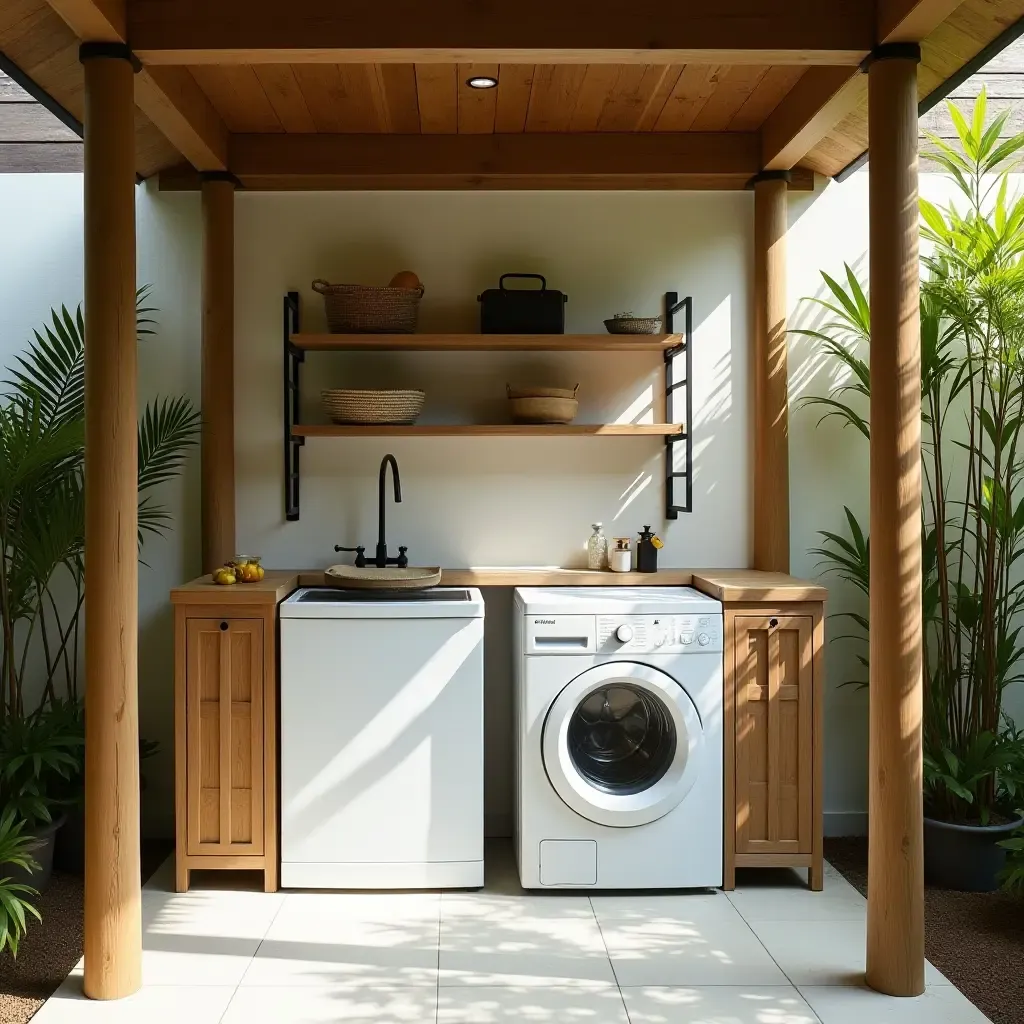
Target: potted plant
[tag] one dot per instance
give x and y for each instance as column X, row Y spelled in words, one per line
column 15, row 855
column 972, row 361
column 42, row 538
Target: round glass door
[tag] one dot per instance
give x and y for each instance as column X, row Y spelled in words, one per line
column 622, row 744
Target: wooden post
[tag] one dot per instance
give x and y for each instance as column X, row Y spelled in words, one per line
column 895, row 936
column 771, row 375
column 113, row 920
column 218, row 451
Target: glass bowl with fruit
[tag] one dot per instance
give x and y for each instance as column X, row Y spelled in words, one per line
column 241, row 569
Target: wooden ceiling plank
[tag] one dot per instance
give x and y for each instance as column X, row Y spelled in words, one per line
column 361, row 109
column 659, row 97
column 693, row 89
column 531, row 31
column 476, row 107
column 238, row 96
column 627, row 104
column 284, row 95
column 398, row 84
column 336, row 102
column 765, row 97
column 102, row 21
column 515, row 83
column 734, row 87
column 814, row 106
column 556, row 88
column 599, row 82
column 437, row 90
column 910, row 21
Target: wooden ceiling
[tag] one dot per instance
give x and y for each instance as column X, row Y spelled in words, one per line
column 435, row 99
column 765, row 84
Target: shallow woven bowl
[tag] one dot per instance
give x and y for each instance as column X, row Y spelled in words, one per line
column 349, row 406
column 543, row 410
column 515, row 393
column 634, row 325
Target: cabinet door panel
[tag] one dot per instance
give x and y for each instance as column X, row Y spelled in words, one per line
column 224, row 736
column 773, row 673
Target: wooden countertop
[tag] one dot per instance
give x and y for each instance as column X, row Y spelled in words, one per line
column 727, row 585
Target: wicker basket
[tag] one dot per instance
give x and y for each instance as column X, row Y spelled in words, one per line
column 367, row 309
column 542, row 405
column 634, row 325
column 390, row 407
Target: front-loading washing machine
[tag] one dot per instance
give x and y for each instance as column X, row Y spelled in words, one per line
column 619, row 739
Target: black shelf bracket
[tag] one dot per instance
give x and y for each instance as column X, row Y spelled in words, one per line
column 674, row 305
column 293, row 358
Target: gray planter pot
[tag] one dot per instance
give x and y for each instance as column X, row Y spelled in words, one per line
column 965, row 857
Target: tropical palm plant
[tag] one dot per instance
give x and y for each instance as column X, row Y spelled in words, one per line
column 42, row 499
column 15, row 852
column 972, row 365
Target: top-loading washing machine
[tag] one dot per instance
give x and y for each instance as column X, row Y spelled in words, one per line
column 619, row 739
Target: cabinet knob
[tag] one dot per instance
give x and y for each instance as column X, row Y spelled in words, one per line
column 771, row 622
column 223, row 625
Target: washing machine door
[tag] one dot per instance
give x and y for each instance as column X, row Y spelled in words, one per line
column 622, row 744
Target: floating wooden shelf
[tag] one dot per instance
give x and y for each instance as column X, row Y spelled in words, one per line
column 491, row 430
column 486, row 342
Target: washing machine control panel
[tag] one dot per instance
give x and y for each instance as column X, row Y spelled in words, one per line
column 659, row 634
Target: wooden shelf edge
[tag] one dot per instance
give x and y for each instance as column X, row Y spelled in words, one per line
column 491, row 430
column 487, row 342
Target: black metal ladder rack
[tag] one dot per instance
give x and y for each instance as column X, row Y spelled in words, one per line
column 293, row 359
column 674, row 305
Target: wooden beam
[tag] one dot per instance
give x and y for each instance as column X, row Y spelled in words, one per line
column 814, row 106
column 771, row 378
column 113, row 902
column 94, row 21
column 531, row 31
column 910, row 21
column 895, row 921
column 169, row 97
column 540, row 160
column 172, row 100
column 218, row 379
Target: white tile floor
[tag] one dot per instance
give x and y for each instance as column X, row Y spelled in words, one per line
column 768, row 953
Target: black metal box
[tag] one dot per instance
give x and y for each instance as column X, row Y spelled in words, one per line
column 522, row 310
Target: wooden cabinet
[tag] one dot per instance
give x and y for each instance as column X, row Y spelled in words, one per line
column 773, row 738
column 225, row 742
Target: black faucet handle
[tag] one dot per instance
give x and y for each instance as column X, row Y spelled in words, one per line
column 360, row 554
column 403, row 559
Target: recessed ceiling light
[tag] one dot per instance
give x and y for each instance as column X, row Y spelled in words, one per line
column 481, row 82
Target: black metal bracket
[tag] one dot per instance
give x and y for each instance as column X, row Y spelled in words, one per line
column 293, row 359
column 674, row 305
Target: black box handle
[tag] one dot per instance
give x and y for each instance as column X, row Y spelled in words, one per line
column 536, row 277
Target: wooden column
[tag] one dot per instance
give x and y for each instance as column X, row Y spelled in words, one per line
column 895, row 943
column 218, row 450
column 113, row 923
column 771, row 375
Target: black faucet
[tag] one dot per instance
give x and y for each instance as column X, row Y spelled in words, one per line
column 382, row 558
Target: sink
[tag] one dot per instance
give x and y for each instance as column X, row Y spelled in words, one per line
column 371, row 577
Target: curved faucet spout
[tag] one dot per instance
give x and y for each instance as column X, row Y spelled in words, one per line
column 382, row 545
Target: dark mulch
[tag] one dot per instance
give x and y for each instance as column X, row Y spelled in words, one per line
column 975, row 939
column 52, row 948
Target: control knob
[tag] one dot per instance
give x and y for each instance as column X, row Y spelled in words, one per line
column 624, row 634
column 703, row 639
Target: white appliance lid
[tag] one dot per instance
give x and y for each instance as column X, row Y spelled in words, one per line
column 614, row 601
column 334, row 603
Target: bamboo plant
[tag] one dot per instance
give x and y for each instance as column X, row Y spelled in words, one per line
column 972, row 396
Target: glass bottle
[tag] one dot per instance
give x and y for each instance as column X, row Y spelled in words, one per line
column 597, row 549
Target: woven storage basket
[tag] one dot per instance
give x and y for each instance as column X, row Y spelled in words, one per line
column 634, row 325
column 542, row 405
column 382, row 407
column 367, row 309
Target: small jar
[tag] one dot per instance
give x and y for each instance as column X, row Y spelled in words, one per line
column 597, row 549
column 620, row 558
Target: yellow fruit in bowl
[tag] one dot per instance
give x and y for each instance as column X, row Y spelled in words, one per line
column 260, row 572
column 251, row 572
column 225, row 577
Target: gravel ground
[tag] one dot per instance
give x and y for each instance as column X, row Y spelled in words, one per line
column 52, row 948
column 975, row 939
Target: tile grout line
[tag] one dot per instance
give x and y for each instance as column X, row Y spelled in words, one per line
column 255, row 953
column 611, row 962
